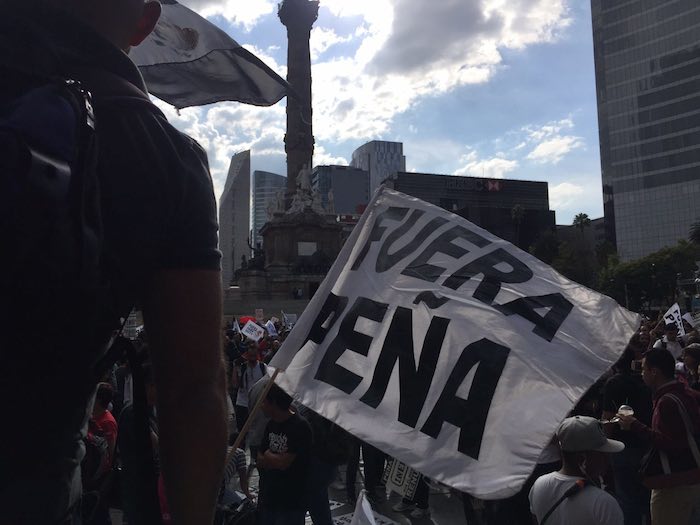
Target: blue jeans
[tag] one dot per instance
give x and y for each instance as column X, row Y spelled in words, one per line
column 281, row 517
column 632, row 496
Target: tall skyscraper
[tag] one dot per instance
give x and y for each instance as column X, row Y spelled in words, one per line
column 381, row 159
column 266, row 186
column 647, row 64
column 350, row 187
column 234, row 216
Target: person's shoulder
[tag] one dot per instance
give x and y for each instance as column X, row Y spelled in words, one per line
column 606, row 510
column 301, row 423
column 545, row 480
column 109, row 418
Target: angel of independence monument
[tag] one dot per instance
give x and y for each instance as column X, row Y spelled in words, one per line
column 301, row 239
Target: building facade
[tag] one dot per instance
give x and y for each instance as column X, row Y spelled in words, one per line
column 234, row 217
column 514, row 210
column 266, row 188
column 380, row 159
column 349, row 187
column 647, row 63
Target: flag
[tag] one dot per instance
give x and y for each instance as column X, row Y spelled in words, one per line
column 448, row 348
column 236, row 326
column 673, row 316
column 188, row 61
column 363, row 514
column 289, row 319
column 692, row 319
column 253, row 331
column 271, row 329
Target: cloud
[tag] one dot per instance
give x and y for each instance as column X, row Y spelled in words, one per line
column 245, row 14
column 323, row 39
column 550, row 142
column 324, row 158
column 564, row 195
column 495, row 168
column 457, row 34
column 412, row 49
column 553, row 150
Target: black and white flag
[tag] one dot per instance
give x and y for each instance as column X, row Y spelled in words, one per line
column 188, row 61
column 448, row 348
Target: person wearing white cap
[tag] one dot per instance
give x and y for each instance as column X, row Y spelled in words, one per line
column 571, row 496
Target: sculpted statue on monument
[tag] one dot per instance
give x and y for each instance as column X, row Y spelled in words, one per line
column 331, row 202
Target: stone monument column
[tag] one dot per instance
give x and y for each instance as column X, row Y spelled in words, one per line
column 298, row 16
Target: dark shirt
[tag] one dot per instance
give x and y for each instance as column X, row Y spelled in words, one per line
column 628, row 389
column 285, row 489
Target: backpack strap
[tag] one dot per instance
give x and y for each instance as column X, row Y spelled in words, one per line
column 109, row 88
column 574, row 489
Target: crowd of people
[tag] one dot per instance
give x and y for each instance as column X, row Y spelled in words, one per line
column 629, row 446
column 154, row 240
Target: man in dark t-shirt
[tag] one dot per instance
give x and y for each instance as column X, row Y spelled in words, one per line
column 283, row 461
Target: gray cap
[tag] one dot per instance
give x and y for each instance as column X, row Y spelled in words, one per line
column 585, row 434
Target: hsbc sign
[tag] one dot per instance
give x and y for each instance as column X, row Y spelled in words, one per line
column 473, row 184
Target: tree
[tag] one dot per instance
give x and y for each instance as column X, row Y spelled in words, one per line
column 545, row 247
column 582, row 221
column 651, row 280
column 694, row 235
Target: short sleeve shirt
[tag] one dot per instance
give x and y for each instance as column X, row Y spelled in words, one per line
column 589, row 506
column 286, row 489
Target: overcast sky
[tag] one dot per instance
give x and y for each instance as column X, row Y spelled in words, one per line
column 492, row 88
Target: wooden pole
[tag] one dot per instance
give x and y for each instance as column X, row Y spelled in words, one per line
column 251, row 415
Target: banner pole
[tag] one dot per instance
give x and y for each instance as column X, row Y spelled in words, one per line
column 251, row 415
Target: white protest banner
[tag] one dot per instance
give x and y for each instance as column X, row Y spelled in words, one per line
column 692, row 320
column 270, row 326
column 363, row 511
column 289, row 319
column 448, row 348
column 696, row 320
column 236, row 326
column 253, row 331
column 401, row 478
column 673, row 315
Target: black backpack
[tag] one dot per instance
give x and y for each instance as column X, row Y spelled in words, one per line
column 56, row 313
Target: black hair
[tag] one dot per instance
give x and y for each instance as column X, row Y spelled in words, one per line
column 662, row 360
column 693, row 350
column 279, row 397
column 104, row 394
column 624, row 364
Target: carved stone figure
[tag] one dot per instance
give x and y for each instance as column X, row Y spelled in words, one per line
column 331, row 201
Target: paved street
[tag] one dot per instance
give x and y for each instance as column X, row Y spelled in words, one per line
column 445, row 508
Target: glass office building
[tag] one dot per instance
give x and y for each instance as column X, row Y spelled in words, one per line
column 647, row 63
column 266, row 188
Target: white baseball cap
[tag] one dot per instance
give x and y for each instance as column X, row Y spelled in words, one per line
column 585, row 434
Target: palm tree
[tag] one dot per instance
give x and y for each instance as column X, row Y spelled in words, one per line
column 582, row 221
column 694, row 235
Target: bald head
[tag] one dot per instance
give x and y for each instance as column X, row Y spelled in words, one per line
column 125, row 23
